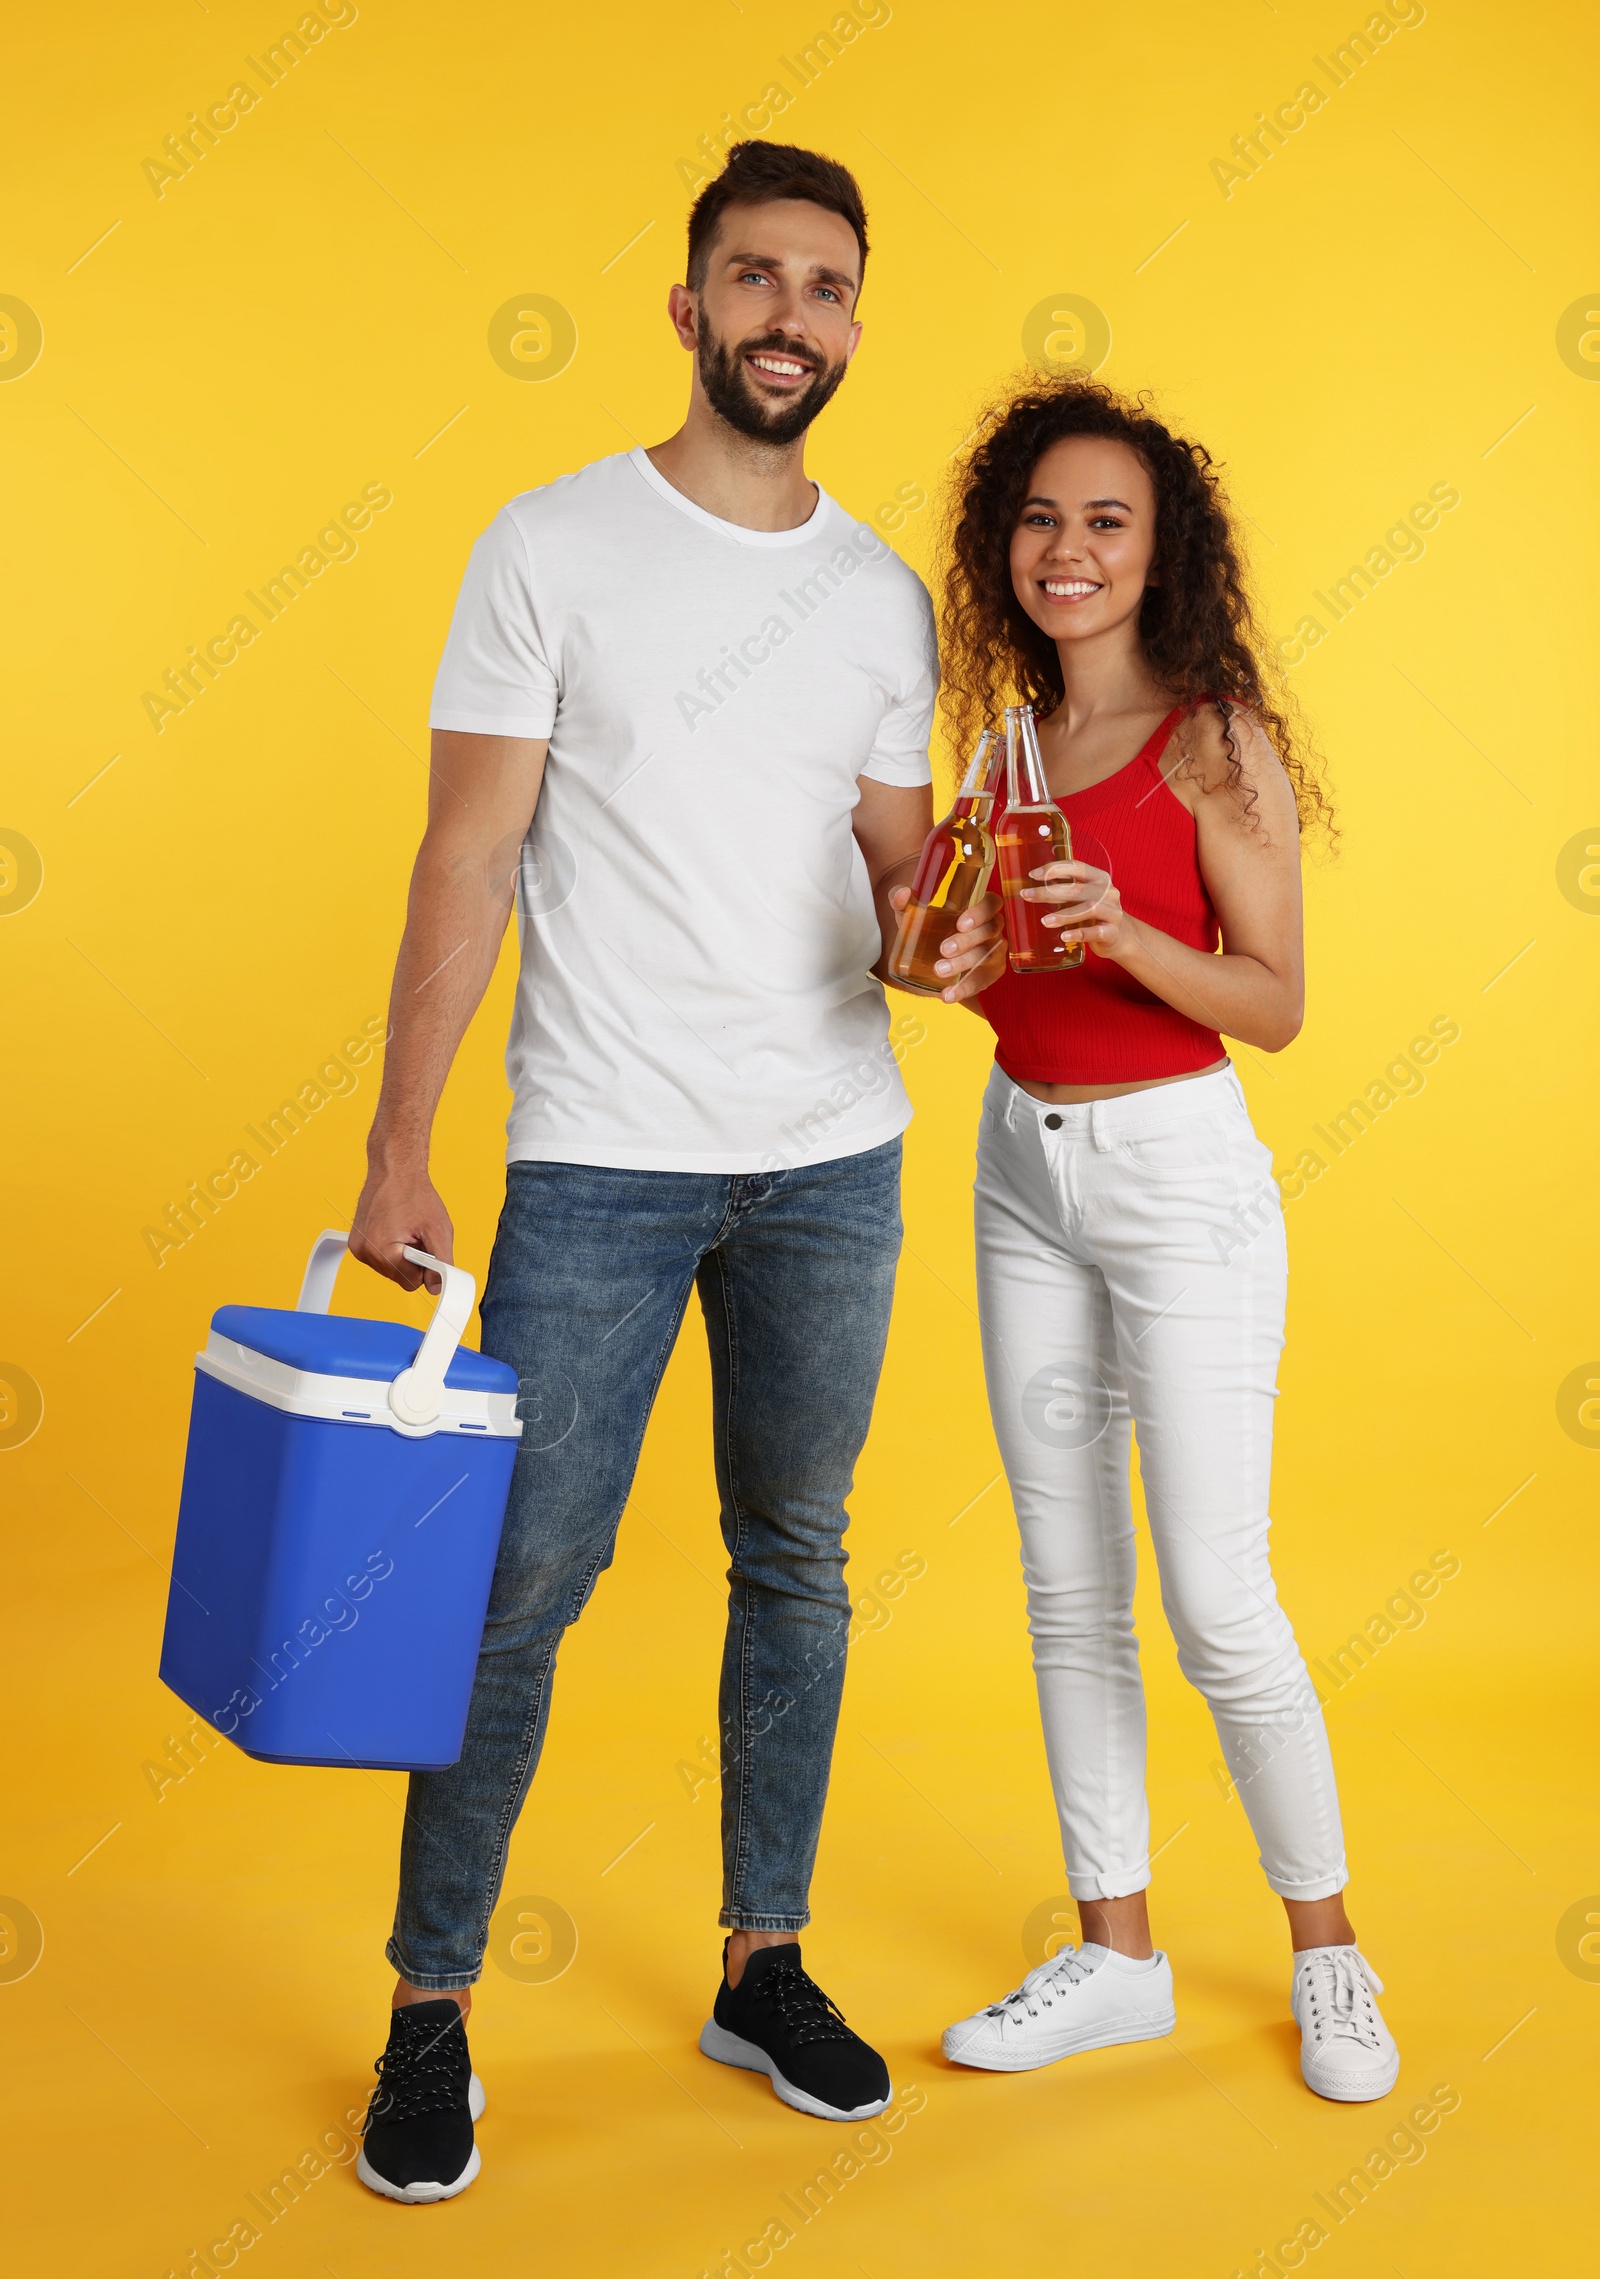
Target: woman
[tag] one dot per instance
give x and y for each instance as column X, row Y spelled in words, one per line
column 1130, row 1237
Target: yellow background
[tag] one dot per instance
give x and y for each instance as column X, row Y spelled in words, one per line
column 1376, row 311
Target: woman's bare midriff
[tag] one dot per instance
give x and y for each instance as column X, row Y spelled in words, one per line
column 1069, row 1095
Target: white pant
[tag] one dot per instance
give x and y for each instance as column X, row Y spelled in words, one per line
column 1131, row 1261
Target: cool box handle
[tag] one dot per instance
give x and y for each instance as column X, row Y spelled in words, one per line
column 417, row 1394
column 316, row 1291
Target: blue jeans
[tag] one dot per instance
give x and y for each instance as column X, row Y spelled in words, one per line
column 587, row 1289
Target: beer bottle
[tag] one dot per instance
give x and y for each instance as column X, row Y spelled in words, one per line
column 953, row 871
column 1033, row 831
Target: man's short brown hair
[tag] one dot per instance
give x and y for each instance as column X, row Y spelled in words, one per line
column 760, row 173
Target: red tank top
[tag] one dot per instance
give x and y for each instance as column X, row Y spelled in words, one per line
column 1096, row 1024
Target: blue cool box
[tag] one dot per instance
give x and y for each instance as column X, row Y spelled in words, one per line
column 343, row 1495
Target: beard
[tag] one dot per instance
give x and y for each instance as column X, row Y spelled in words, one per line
column 732, row 397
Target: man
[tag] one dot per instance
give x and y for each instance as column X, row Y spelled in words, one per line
column 716, row 691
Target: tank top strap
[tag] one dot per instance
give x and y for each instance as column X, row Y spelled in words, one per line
column 1152, row 754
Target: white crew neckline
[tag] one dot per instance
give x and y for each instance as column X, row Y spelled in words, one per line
column 798, row 536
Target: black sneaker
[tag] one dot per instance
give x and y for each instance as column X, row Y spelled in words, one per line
column 777, row 2021
column 418, row 2130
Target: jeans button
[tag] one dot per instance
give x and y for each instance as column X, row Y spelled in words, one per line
column 1052, row 1123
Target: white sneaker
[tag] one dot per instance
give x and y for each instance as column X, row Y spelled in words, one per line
column 1084, row 1998
column 1346, row 2050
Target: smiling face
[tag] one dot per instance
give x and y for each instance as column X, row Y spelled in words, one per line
column 1083, row 550
column 771, row 326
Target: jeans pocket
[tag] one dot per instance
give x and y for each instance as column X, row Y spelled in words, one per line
column 1198, row 1149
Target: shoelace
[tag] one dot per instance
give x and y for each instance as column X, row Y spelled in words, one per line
column 1037, row 1990
column 806, row 2013
column 1340, row 1984
column 425, row 2069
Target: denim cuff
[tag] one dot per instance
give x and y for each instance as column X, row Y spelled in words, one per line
column 432, row 1981
column 1321, row 1887
column 1111, row 1885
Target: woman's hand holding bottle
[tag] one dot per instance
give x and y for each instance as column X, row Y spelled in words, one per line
column 1086, row 907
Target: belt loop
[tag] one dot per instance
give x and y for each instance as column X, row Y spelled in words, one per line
column 1097, row 1128
column 1011, row 1105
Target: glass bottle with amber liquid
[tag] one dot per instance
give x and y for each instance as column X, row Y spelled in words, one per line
column 952, row 872
column 1033, row 831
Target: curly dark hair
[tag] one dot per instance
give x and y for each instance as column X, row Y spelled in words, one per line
column 1197, row 626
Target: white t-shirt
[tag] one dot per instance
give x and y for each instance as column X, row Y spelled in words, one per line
column 696, row 917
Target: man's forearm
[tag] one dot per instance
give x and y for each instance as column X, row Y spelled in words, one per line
column 898, row 873
column 482, row 794
column 455, row 920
